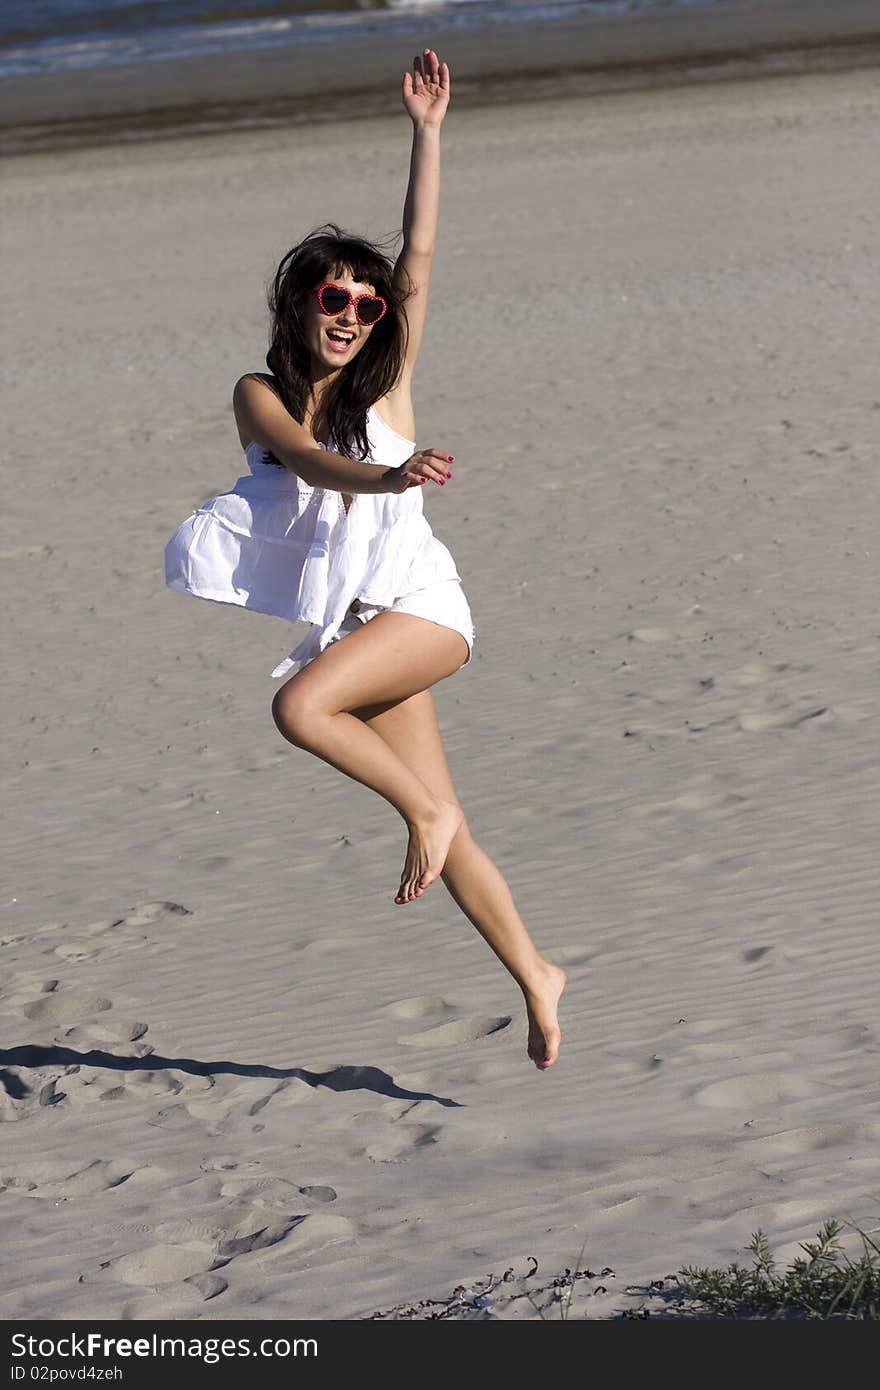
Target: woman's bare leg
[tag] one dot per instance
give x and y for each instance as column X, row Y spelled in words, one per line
column 411, row 730
column 388, row 659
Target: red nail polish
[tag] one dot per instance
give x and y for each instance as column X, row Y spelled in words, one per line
column 450, row 458
column 442, row 482
column 449, row 475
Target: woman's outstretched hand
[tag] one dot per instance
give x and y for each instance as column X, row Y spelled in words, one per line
column 426, row 89
column 425, row 465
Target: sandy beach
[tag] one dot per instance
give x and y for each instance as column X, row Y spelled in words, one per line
column 239, row 1081
column 347, row 72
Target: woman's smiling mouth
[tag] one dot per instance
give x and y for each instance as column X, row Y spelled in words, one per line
column 339, row 339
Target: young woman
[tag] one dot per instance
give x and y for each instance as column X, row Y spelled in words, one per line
column 328, row 526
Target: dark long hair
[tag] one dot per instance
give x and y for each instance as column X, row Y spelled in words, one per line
column 325, row 253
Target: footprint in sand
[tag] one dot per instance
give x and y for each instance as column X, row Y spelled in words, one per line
column 689, row 627
column 755, row 1091
column 236, row 1109
column 57, row 1180
column 175, row 1117
column 26, row 552
column 196, row 1248
column 753, row 673
column 207, row 1286
column 110, row 1030
column 652, row 634
column 127, row 931
column 318, row 1192
column 16, row 940
column 95, row 1027
column 158, row 1264
column 172, row 1300
column 399, row 1144
column 759, row 722
column 117, row 934
column 227, row 1163
column 260, row 1239
column 146, row 1083
column 292, row 1090
column 463, row 1030
column 86, row 1082
column 703, row 803
column 852, row 1037
column 421, row 1006
column 184, row 1264
column 192, row 1231
column 280, row 1193
column 326, row 946
column 64, row 1006
column 149, row 914
column 398, row 1130
column 19, row 1099
column 76, row 950
column 425, row 1079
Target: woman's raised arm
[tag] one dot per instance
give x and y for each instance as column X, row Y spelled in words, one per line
column 426, row 97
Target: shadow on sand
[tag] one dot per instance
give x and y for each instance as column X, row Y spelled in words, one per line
column 337, row 1079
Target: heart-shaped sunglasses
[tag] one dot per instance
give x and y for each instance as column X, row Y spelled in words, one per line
column 368, row 308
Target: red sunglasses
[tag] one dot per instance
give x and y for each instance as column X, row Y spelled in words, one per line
column 368, row 308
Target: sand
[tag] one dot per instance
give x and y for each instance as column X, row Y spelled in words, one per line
column 351, row 68
column 241, row 1082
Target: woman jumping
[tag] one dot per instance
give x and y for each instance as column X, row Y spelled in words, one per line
column 328, row 527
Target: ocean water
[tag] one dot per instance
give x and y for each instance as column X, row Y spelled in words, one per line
column 39, row 36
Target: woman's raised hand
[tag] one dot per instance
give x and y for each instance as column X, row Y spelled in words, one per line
column 425, row 465
column 426, row 89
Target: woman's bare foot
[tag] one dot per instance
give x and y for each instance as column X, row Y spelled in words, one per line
column 541, row 1001
column 426, row 852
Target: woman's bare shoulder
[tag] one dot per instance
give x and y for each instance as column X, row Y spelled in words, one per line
column 265, row 378
column 246, row 384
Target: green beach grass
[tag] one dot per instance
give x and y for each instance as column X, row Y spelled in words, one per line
column 824, row 1282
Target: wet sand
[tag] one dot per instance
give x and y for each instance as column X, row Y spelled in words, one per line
column 355, row 77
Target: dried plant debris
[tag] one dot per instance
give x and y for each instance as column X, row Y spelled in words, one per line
column 825, row 1282
column 495, row 1295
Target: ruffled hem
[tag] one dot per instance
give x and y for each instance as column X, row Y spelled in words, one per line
column 308, row 648
column 311, row 646
column 237, row 600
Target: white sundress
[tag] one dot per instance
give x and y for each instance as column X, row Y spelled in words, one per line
column 276, row 545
